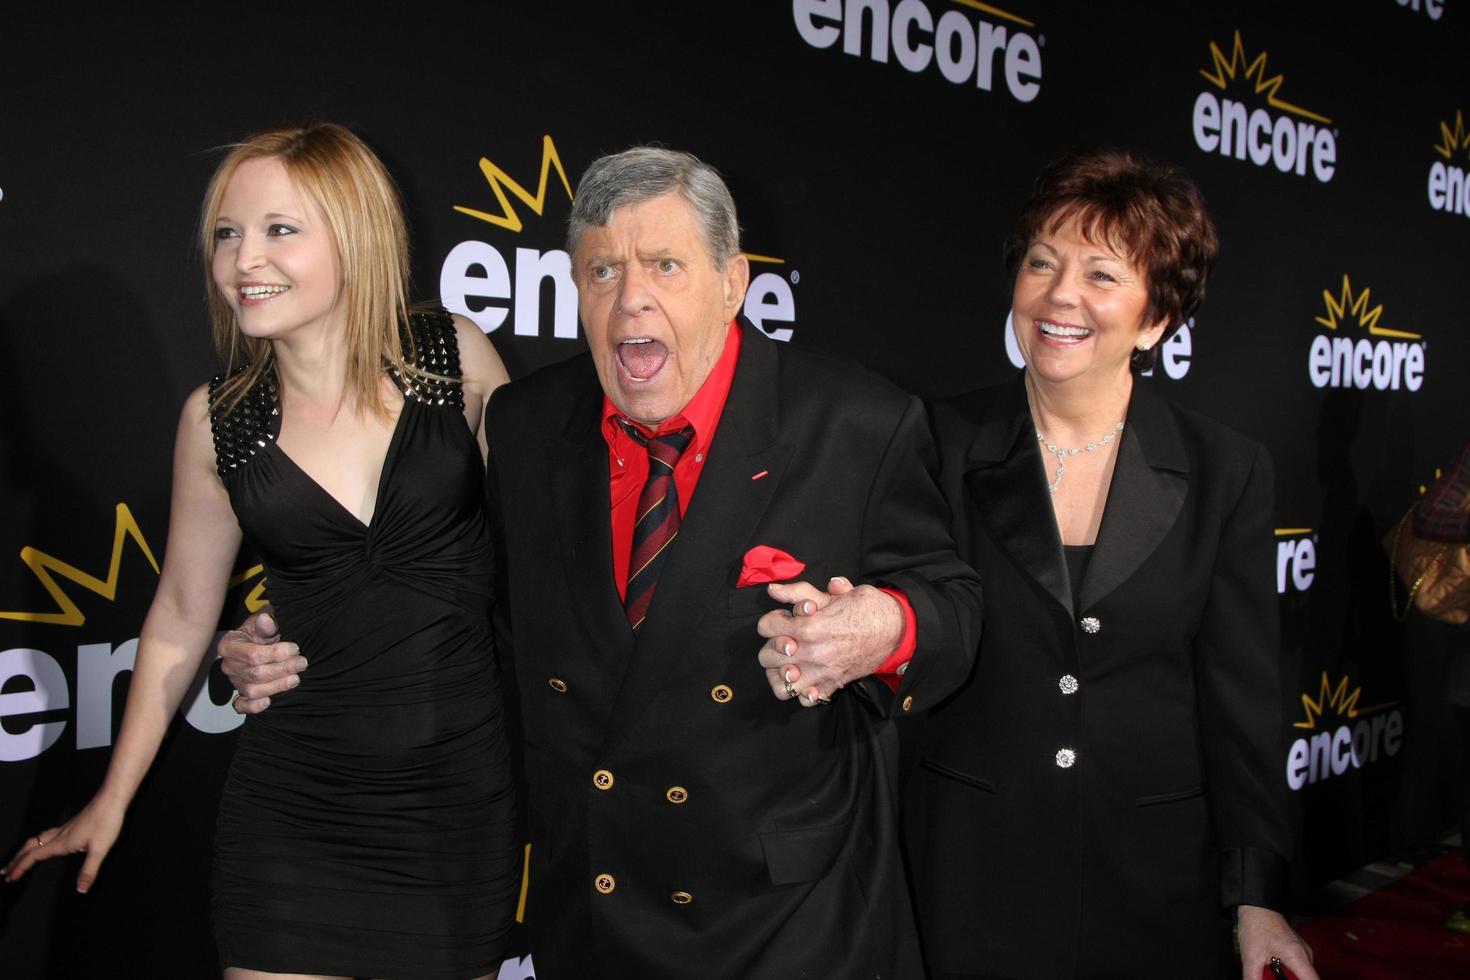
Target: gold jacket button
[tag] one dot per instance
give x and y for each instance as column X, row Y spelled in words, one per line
column 682, row 898
column 677, row 794
column 908, row 702
column 721, row 693
column 558, row 685
column 603, row 779
column 605, row 883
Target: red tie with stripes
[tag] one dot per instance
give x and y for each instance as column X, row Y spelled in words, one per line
column 658, row 517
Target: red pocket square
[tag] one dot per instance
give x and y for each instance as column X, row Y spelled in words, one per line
column 766, row 564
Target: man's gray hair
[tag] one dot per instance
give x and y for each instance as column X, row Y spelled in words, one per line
column 646, row 172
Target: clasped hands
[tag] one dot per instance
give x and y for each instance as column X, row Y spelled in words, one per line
column 823, row 641
column 826, row 639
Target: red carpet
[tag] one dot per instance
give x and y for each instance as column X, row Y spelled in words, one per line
column 1397, row 932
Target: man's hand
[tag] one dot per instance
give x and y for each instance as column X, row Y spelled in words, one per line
column 827, row 639
column 258, row 664
column 1264, row 934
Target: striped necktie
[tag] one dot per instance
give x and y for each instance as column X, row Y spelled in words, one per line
column 658, row 517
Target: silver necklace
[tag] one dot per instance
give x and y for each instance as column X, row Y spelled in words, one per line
column 1061, row 453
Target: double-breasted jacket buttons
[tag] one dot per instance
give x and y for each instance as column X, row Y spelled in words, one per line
column 605, row 883
column 677, row 794
column 1091, row 624
column 557, row 684
column 1068, row 684
column 721, row 693
column 682, row 898
column 603, row 779
column 908, row 702
column 1066, row 758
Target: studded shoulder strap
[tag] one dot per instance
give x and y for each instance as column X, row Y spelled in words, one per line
column 249, row 425
column 435, row 378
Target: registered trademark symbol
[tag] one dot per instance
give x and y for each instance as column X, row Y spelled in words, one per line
column 795, row 277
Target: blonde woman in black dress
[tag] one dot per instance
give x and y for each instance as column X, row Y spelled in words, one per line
column 366, row 825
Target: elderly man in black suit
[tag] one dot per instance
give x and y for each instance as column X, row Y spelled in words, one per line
column 659, row 501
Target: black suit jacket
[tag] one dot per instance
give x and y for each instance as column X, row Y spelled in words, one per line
column 684, row 822
column 1174, row 806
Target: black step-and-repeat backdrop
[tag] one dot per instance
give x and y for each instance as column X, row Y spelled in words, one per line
column 878, row 150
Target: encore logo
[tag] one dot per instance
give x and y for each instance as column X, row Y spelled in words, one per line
column 1449, row 190
column 38, row 694
column 491, row 284
column 1290, row 138
column 1362, row 736
column 966, row 50
column 1385, row 359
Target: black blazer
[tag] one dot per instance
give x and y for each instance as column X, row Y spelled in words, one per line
column 1172, row 807
column 729, row 834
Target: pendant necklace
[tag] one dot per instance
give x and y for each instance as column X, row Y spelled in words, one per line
column 1061, row 453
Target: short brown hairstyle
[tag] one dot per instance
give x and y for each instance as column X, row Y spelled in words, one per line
column 1150, row 213
column 361, row 206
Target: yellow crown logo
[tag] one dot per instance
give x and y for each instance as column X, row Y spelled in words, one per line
column 47, row 568
column 1253, row 70
column 1357, row 305
column 1451, row 140
column 1339, row 698
column 500, row 182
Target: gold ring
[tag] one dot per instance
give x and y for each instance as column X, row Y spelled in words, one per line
column 791, row 690
column 39, row 841
column 235, row 701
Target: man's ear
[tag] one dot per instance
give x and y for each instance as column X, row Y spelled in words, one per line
column 737, row 281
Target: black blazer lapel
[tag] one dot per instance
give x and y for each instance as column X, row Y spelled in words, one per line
column 705, row 560
column 579, row 487
column 1150, row 482
column 1008, row 483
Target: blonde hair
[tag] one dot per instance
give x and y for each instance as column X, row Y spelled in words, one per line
column 360, row 203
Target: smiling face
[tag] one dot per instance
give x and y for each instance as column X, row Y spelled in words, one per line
column 655, row 306
column 275, row 259
column 1078, row 308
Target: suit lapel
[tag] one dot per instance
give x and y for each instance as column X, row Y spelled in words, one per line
column 1145, row 498
column 579, row 485
column 705, row 559
column 1007, row 483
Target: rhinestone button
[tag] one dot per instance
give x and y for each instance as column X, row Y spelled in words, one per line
column 1091, row 624
column 721, row 693
column 1066, row 758
column 677, row 794
column 1068, row 684
column 605, row 883
column 603, row 779
column 682, row 898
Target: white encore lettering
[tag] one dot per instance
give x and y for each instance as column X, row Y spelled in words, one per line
column 960, row 48
column 1341, row 362
column 1448, row 189
column 1226, row 127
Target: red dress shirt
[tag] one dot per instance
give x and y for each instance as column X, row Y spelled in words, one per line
column 627, row 464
